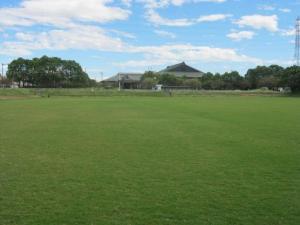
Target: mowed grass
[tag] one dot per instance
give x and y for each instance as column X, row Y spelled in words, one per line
column 150, row 161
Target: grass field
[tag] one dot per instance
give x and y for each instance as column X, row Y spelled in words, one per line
column 80, row 92
column 222, row 160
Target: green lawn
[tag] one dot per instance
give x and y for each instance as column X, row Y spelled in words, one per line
column 223, row 160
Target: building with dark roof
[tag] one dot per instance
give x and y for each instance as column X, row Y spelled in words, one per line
column 127, row 80
column 182, row 70
column 133, row 80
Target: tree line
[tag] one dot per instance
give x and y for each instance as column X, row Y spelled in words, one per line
column 272, row 77
column 48, row 72
column 53, row 72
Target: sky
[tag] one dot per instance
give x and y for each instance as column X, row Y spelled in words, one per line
column 107, row 36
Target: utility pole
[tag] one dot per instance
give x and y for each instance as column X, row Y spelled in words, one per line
column 297, row 42
column 119, row 81
column 101, row 73
column 2, row 77
column 3, row 64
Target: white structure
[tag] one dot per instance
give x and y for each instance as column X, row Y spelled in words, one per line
column 158, row 87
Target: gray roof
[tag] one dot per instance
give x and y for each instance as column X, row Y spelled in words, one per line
column 178, row 70
column 128, row 77
column 181, row 69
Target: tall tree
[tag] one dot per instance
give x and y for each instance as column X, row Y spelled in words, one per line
column 48, row 72
column 232, row 80
column 291, row 78
column 254, row 76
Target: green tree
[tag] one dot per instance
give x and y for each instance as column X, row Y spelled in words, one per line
column 207, row 81
column 192, row 83
column 254, row 76
column 150, row 74
column 48, row 72
column 290, row 77
column 149, row 83
column 170, row 80
column 18, row 71
column 232, row 80
column 270, row 82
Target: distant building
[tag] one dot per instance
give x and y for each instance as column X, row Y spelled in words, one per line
column 182, row 70
column 133, row 80
column 126, row 80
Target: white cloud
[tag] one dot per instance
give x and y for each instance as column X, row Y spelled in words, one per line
column 60, row 13
column 152, row 4
column 24, row 36
column 267, row 7
column 218, row 1
column 94, row 38
column 156, row 19
column 213, row 17
column 165, row 54
column 285, row 10
column 78, row 37
column 269, row 23
column 71, row 29
column 238, row 36
column 164, row 33
column 289, row 32
column 273, row 8
column 127, row 2
column 123, row 34
column 68, row 23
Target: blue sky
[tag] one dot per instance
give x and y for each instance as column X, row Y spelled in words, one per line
column 107, row 36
